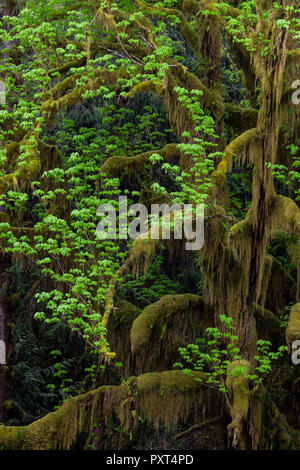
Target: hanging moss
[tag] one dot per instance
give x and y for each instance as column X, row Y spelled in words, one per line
column 55, row 430
column 281, row 282
column 235, row 266
column 142, row 253
column 106, row 20
column 119, row 327
column 285, row 215
column 52, row 106
column 259, row 146
column 145, row 245
column 292, row 67
column 243, row 60
column 162, row 398
column 275, row 432
column 109, row 302
column 211, row 98
column 167, row 397
column 180, row 76
column 294, row 254
column 163, row 326
column 241, row 149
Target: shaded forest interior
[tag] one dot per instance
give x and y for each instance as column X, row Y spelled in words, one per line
column 144, row 344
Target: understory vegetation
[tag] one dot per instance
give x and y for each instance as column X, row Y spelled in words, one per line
column 138, row 344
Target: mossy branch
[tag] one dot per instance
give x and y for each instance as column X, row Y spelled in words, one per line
column 237, row 148
column 187, row 31
column 118, row 166
column 59, row 430
column 27, row 169
column 285, row 215
column 155, row 315
column 51, row 107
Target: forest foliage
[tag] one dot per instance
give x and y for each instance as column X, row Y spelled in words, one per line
column 170, row 102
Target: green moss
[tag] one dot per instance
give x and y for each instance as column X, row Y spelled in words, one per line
column 191, row 37
column 142, row 87
column 170, row 396
column 142, row 252
column 67, row 66
column 124, row 314
column 51, row 106
column 285, row 215
column 12, row 438
column 12, row 150
column 156, row 314
column 191, row 6
column 218, row 177
column 241, row 228
column 25, row 170
column 239, row 117
column 118, row 166
column 119, row 326
column 162, row 398
column 238, row 388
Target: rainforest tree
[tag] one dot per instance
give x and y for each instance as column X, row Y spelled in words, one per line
column 171, row 102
